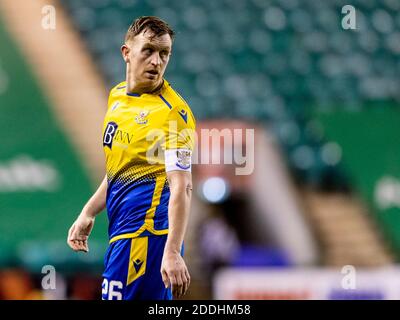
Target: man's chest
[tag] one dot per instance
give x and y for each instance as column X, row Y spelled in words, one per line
column 133, row 124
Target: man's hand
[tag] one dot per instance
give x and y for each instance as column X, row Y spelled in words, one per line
column 175, row 273
column 79, row 233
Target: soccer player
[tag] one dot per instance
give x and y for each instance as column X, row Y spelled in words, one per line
column 148, row 139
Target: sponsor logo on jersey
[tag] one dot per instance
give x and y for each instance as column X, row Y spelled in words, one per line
column 109, row 133
column 183, row 114
column 113, row 134
column 137, row 264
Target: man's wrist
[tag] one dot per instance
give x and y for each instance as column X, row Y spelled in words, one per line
column 88, row 213
column 172, row 250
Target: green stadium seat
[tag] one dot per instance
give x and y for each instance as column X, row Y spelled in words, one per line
column 260, row 60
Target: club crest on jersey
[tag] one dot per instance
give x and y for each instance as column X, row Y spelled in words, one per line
column 141, row 117
column 183, row 159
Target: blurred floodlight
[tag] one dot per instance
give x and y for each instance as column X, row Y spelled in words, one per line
column 215, row 190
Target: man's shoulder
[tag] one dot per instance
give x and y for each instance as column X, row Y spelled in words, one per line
column 180, row 109
column 176, row 100
column 120, row 88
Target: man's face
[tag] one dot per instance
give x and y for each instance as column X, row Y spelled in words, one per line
column 147, row 58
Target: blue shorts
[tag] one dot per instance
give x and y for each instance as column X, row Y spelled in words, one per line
column 132, row 269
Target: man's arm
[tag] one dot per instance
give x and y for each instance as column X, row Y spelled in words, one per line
column 80, row 230
column 173, row 268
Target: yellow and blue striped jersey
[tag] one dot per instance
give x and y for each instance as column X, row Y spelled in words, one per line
column 138, row 129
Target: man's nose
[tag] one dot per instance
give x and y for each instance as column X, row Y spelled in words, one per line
column 155, row 59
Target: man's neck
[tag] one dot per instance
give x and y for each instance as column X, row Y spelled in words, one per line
column 158, row 88
column 131, row 87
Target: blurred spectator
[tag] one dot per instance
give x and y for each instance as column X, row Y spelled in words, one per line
column 85, row 287
column 16, row 284
column 218, row 241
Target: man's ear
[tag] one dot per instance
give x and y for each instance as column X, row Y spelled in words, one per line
column 125, row 52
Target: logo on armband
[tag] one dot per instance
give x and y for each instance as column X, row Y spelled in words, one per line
column 183, row 159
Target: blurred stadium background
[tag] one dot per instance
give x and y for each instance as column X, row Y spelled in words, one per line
column 324, row 196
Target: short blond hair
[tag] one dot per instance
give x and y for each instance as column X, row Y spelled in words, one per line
column 152, row 23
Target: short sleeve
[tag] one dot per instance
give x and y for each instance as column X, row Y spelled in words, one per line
column 179, row 129
column 179, row 139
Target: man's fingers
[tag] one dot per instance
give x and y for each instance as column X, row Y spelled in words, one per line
column 187, row 277
column 73, row 245
column 79, row 237
column 165, row 278
column 83, row 245
column 86, row 247
column 174, row 273
column 71, row 242
column 174, row 285
column 180, row 284
column 72, row 237
column 78, row 245
column 78, row 242
column 186, row 282
column 70, row 232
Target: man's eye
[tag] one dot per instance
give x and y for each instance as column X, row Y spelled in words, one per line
column 148, row 51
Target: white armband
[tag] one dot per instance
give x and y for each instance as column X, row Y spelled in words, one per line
column 178, row 159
